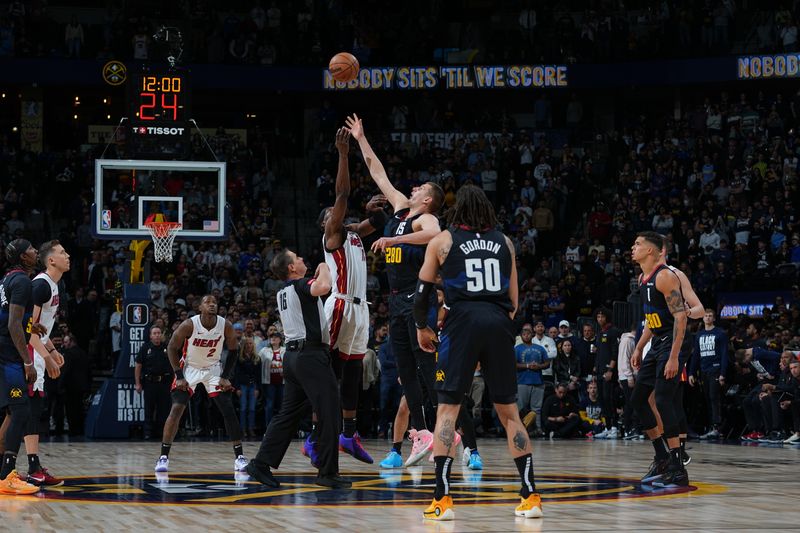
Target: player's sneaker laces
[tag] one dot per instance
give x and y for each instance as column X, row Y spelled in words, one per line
column 423, row 444
column 530, row 507
column 392, row 460
column 440, row 509
column 162, row 465
column 240, row 463
column 13, row 484
column 309, row 449
column 657, row 469
column 43, row 478
column 475, row 461
column 352, row 446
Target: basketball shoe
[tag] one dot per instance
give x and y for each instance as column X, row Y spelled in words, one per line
column 530, row 507
column 240, row 463
column 309, row 449
column 352, row 446
column 423, row 445
column 43, row 478
column 475, row 461
column 440, row 509
column 657, row 469
column 162, row 465
column 13, row 484
column 393, row 460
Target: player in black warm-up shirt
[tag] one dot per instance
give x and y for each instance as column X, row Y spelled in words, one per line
column 16, row 363
column 665, row 320
column 480, row 284
column 406, row 234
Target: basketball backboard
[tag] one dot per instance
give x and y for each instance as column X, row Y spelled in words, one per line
column 130, row 192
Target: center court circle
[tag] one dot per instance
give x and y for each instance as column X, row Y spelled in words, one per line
column 386, row 488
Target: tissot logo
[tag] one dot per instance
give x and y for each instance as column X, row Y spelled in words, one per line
column 152, row 130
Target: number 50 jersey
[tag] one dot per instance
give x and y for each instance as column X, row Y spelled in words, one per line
column 477, row 268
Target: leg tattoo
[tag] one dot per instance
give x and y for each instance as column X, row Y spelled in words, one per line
column 520, row 442
column 447, row 434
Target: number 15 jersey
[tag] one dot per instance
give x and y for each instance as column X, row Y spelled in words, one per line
column 477, row 268
column 203, row 348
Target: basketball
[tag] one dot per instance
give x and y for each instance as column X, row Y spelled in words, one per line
column 343, row 67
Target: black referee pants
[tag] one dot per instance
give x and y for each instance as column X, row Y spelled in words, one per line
column 308, row 378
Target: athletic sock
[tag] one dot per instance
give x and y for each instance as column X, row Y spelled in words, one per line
column 9, row 464
column 33, row 462
column 473, row 451
column 443, row 464
column 165, row 448
column 661, row 448
column 683, row 445
column 525, row 468
column 349, row 426
column 675, row 456
column 238, row 450
column 398, row 447
column 313, row 436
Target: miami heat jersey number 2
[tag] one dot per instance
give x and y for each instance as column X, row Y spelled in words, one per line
column 204, row 347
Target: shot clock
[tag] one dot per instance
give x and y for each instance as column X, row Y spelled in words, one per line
column 159, row 112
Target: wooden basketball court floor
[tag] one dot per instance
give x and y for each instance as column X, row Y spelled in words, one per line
column 586, row 486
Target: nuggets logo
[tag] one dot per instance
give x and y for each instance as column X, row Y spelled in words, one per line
column 15, row 393
column 369, row 489
column 440, row 375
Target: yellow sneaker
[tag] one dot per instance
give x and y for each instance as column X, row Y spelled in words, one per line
column 530, row 507
column 440, row 510
column 13, row 484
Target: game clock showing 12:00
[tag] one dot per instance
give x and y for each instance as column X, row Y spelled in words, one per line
column 160, row 97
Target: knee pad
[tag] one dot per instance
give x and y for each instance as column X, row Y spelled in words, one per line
column 225, row 405
column 447, row 397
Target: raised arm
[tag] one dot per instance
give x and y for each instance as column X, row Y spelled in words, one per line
column 376, row 170
column 333, row 227
column 322, row 281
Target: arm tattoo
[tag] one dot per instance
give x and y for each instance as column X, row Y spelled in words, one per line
column 520, row 442
column 443, row 251
column 675, row 302
column 447, row 435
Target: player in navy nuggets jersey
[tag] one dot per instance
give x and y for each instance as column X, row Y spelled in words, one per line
column 665, row 317
column 480, row 285
column 406, row 234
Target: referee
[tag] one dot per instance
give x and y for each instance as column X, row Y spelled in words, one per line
column 307, row 374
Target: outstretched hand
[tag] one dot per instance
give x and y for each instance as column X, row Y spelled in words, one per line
column 381, row 244
column 355, row 127
column 376, row 203
column 343, row 141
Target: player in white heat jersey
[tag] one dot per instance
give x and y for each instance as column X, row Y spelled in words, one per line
column 46, row 358
column 346, row 308
column 195, row 352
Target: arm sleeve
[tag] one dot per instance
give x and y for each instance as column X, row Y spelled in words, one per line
column 41, row 292
column 230, row 365
column 378, row 220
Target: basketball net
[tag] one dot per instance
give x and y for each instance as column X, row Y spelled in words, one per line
column 163, row 234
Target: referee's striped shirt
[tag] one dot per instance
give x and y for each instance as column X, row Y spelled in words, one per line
column 302, row 314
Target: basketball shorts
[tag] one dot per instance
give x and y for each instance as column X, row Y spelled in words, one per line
column 656, row 360
column 472, row 333
column 208, row 376
column 13, row 389
column 349, row 326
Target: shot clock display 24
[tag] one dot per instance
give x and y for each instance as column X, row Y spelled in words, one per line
column 160, row 97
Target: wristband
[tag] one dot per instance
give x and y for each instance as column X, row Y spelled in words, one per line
column 51, row 351
column 28, row 364
column 179, row 374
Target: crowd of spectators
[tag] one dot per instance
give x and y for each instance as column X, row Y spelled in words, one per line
column 416, row 32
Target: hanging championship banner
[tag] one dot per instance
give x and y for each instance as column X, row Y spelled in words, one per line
column 32, row 122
